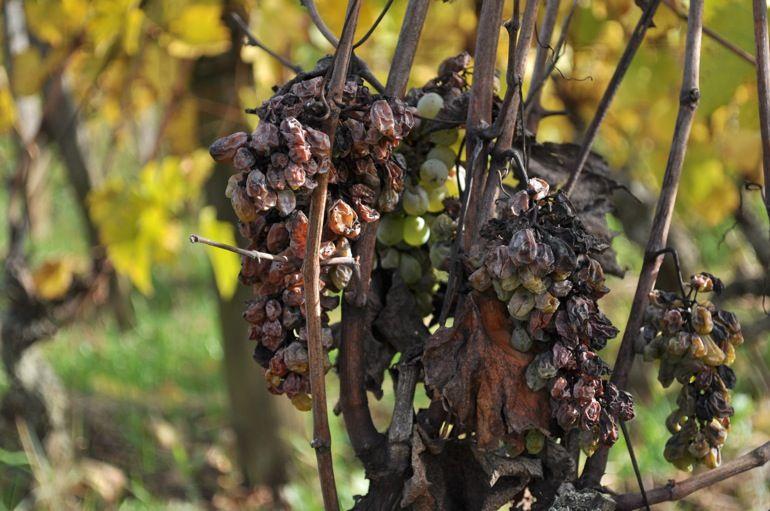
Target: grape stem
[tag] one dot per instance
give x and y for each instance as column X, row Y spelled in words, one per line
column 255, row 254
column 677, row 490
column 688, row 102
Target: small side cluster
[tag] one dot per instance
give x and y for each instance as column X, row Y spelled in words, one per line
column 695, row 342
column 537, row 259
column 276, row 171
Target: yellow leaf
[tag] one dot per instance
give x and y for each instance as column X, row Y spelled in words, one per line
column 7, row 109
column 133, row 30
column 226, row 265
column 52, row 279
column 198, row 30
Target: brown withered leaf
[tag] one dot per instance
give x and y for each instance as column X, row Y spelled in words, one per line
column 480, row 377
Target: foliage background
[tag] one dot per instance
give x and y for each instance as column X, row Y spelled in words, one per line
column 151, row 399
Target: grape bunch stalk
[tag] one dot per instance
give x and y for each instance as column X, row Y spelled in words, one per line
column 276, row 167
column 537, row 259
column 695, row 342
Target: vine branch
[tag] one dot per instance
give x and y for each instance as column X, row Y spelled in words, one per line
column 541, row 62
column 688, row 102
column 677, row 490
column 255, row 254
column 311, row 268
column 763, row 90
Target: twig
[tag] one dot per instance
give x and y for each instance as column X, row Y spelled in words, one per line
column 677, row 490
column 688, row 102
column 558, row 51
column 364, row 436
column 763, row 91
column 408, row 38
column 634, row 463
column 374, row 26
column 322, row 27
column 255, row 254
column 620, row 72
column 480, row 110
column 732, row 47
column 311, row 268
column 517, row 62
column 253, row 41
column 541, row 61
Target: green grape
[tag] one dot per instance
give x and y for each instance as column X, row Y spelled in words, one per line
column 443, row 153
column 390, row 230
column 436, row 199
column 444, row 137
column 430, row 105
column 390, row 259
column 452, row 190
column 433, row 173
column 439, row 253
column 415, row 201
column 409, row 269
column 416, row 231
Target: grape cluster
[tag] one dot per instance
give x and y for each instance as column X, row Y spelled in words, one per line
column 416, row 238
column 695, row 342
column 276, row 168
column 537, row 259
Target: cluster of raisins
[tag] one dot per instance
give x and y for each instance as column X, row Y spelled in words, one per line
column 536, row 258
column 276, row 169
column 416, row 238
column 695, row 342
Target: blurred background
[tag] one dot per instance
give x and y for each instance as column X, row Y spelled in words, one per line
column 128, row 381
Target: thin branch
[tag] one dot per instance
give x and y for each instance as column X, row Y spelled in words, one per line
column 558, row 51
column 541, row 61
column 255, row 254
column 374, row 26
column 319, row 22
column 677, row 490
column 517, row 63
column 406, row 48
column 763, row 91
column 620, row 72
column 480, row 110
column 730, row 46
column 311, row 269
column 688, row 102
column 635, row 464
column 253, row 41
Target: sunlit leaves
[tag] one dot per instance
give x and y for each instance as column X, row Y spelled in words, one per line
column 226, row 265
column 138, row 218
column 197, row 30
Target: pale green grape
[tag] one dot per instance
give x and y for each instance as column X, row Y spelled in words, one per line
column 430, row 105
column 443, row 153
column 415, row 201
column 436, row 199
column 409, row 269
column 444, row 137
column 390, row 259
column 433, row 173
column 390, row 230
column 416, row 231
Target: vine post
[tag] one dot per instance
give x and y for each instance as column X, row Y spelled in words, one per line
column 763, row 89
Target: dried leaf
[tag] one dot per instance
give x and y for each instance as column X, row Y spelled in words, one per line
column 481, row 377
